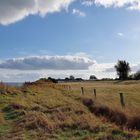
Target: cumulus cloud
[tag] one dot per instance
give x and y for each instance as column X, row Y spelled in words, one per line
column 68, row 62
column 14, row 10
column 78, row 13
column 129, row 4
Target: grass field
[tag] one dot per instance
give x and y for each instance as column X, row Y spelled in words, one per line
column 108, row 93
column 59, row 111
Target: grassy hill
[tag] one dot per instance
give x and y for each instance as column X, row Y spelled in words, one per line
column 43, row 110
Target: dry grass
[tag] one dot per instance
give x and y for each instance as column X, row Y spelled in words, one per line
column 58, row 111
column 115, row 116
column 2, row 120
column 5, row 89
column 108, row 94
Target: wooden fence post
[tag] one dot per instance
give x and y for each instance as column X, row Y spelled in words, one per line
column 95, row 93
column 82, row 90
column 69, row 88
column 122, row 100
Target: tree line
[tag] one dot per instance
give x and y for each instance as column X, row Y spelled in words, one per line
column 122, row 68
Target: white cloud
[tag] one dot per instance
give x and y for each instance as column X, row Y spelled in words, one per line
column 79, row 65
column 67, row 62
column 33, row 68
column 87, row 2
column 129, row 4
column 120, row 34
column 11, row 75
column 101, row 70
column 14, row 10
column 78, row 13
column 136, row 67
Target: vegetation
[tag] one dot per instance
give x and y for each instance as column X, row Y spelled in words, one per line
column 135, row 76
column 47, row 110
column 92, row 77
column 122, row 69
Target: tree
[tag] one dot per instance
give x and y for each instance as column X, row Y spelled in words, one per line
column 137, row 75
column 122, row 69
column 92, row 77
column 52, row 79
column 72, row 77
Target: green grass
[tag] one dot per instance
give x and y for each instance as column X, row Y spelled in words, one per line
column 75, row 134
column 4, row 128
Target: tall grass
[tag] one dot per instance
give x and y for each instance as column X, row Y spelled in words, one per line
column 45, row 110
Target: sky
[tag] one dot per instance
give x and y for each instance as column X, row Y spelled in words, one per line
column 59, row 38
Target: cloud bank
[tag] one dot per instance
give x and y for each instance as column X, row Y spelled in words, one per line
column 68, row 62
column 12, row 75
column 35, row 67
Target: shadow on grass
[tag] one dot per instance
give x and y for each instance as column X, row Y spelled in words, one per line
column 114, row 116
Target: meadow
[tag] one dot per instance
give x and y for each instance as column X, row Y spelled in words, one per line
column 108, row 93
column 44, row 110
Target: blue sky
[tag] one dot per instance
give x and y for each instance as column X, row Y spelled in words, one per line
column 102, row 32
